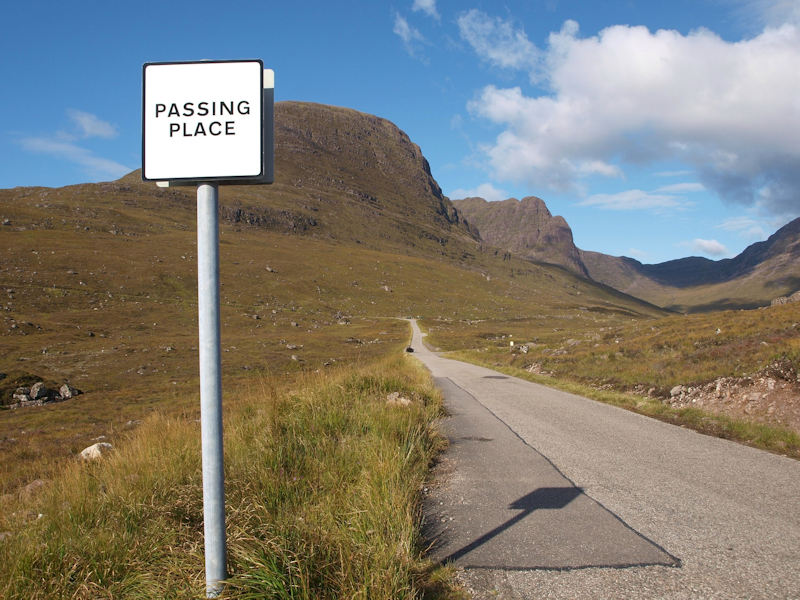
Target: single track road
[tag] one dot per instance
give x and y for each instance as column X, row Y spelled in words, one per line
column 545, row 494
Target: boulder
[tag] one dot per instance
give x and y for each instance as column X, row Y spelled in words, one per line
column 677, row 391
column 32, row 488
column 22, row 394
column 39, row 391
column 395, row 399
column 66, row 391
column 95, row 451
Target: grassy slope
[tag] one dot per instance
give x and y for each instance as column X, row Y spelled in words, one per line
column 322, row 479
column 99, row 281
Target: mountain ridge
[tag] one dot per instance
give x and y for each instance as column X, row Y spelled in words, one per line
column 760, row 273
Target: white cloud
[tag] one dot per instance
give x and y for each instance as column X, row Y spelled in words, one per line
column 62, row 145
column 729, row 111
column 497, row 41
column 746, row 227
column 90, row 125
column 710, row 247
column 678, row 188
column 679, row 173
column 635, row 200
column 639, row 255
column 769, row 12
column 94, row 165
column 598, row 167
column 426, row 6
column 411, row 36
column 485, row 190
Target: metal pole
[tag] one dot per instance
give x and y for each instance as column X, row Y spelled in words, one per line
column 211, row 387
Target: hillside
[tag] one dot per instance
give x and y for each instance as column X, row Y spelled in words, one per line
column 99, row 281
column 763, row 271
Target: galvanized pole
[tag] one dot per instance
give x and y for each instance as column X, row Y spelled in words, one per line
column 211, row 387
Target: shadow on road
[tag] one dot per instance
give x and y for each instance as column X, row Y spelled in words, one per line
column 541, row 499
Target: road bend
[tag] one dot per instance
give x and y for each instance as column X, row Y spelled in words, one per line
column 545, row 494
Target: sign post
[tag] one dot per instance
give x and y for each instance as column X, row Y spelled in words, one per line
column 211, row 387
column 205, row 124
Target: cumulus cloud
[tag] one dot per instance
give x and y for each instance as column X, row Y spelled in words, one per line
column 629, row 96
column 497, row 41
column 689, row 186
column 746, row 227
column 426, row 6
column 678, row 173
column 411, row 36
column 709, row 247
column 485, row 190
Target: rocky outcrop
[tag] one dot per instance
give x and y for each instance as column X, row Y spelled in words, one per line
column 786, row 299
column 772, row 395
column 526, row 228
column 39, row 394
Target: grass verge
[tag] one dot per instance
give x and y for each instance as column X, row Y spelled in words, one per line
column 322, row 484
column 779, row 440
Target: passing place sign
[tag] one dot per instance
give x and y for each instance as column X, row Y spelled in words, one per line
column 203, row 121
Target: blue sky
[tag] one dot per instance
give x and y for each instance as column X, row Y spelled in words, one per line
column 658, row 130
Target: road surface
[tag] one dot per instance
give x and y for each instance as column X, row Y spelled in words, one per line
column 544, row 494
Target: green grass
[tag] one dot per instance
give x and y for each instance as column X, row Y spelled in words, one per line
column 323, row 482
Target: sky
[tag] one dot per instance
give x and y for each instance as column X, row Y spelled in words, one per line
column 658, row 130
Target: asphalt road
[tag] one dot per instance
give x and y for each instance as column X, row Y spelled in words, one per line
column 544, row 494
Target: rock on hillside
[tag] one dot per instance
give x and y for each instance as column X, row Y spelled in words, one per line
column 526, row 228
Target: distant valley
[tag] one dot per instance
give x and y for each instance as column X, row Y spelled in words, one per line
column 763, row 272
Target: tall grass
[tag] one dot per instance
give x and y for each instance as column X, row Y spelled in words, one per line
column 322, row 485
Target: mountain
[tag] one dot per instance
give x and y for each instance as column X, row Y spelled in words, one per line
column 762, row 272
column 525, row 228
column 348, row 176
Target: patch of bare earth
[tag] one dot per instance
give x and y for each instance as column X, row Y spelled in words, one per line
column 770, row 396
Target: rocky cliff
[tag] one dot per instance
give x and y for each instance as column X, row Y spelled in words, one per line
column 526, row 228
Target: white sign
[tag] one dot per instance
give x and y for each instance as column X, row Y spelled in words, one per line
column 203, row 121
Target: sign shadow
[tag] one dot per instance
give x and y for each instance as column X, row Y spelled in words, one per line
column 547, row 498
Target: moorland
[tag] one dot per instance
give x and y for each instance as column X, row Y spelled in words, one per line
column 317, row 270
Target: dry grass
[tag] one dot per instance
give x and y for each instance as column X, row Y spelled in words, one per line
column 322, row 490
column 626, row 353
column 619, row 361
column 112, row 309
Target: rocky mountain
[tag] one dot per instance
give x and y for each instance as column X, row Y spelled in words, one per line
column 337, row 173
column 763, row 271
column 525, row 228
